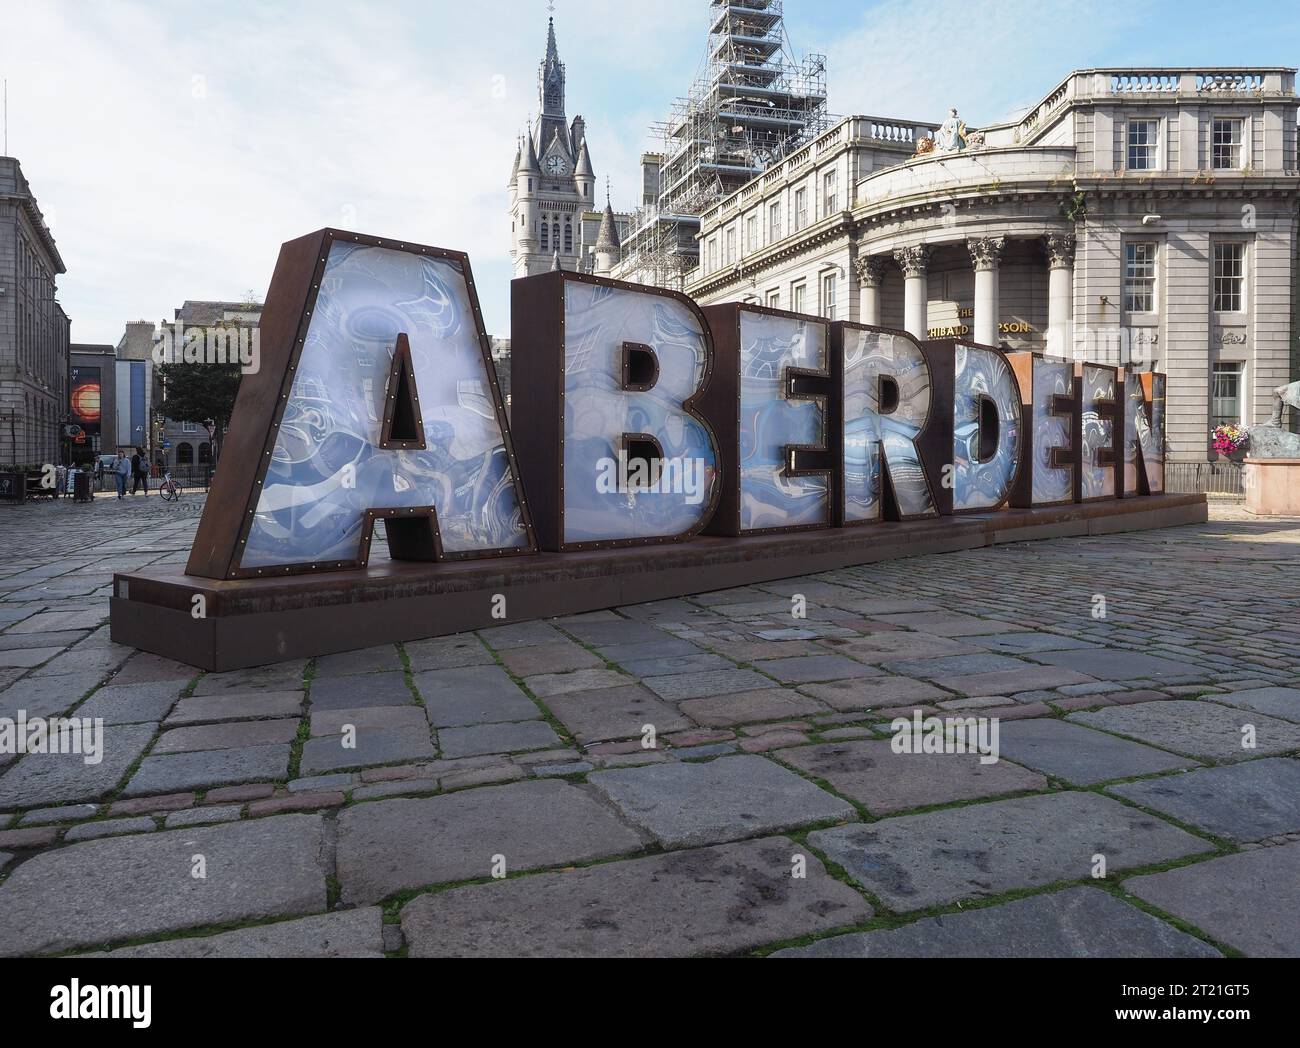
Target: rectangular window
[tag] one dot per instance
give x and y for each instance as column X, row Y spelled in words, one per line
column 189, row 427
column 1143, row 144
column 731, row 246
column 828, row 296
column 1225, row 395
column 751, row 233
column 774, row 298
column 1225, row 145
column 798, row 294
column 1229, row 277
column 713, row 254
column 774, row 222
column 1140, row 277
column 800, row 208
column 830, row 195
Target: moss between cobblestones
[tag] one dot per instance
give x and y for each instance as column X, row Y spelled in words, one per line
column 550, row 718
column 304, row 724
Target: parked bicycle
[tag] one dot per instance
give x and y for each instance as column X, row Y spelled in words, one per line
column 170, row 490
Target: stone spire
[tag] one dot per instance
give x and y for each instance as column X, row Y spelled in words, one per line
column 584, row 169
column 607, row 243
column 555, row 262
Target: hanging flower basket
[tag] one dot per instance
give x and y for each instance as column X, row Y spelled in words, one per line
column 1230, row 441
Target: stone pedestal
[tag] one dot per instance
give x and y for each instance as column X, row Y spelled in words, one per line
column 1273, row 486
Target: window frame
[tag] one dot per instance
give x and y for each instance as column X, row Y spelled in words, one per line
column 1239, row 144
column 798, row 295
column 1240, row 292
column 1129, row 279
column 1156, row 145
column 800, row 209
column 1236, row 368
column 829, row 279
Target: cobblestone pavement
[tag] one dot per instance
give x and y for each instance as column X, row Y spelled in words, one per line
column 713, row 775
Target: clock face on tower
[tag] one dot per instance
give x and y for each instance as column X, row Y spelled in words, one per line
column 555, row 165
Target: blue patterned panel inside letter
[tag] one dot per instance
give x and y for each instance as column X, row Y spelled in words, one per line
column 1144, row 434
column 1052, row 378
column 327, row 468
column 1098, row 429
column 979, row 374
column 870, row 356
column 602, row 503
column 769, row 423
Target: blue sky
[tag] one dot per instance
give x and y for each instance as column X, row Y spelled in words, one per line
column 175, row 145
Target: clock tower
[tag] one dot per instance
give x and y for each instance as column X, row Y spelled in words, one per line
column 553, row 185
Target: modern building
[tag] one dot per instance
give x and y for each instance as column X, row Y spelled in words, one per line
column 133, row 384
column 1138, row 216
column 92, row 402
column 34, row 330
column 554, row 218
column 754, row 103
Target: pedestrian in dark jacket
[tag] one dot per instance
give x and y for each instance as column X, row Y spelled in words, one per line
column 141, row 478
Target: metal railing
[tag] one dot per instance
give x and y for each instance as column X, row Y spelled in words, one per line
column 1210, row 478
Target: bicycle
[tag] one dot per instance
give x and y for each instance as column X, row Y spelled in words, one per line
column 169, row 489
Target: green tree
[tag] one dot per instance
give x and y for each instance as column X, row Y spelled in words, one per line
column 200, row 393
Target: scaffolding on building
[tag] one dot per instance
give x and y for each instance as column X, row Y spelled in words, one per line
column 752, row 103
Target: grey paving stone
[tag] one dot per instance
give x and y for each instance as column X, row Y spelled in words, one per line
column 1277, row 702
column 132, row 703
column 281, row 676
column 614, row 631
column 914, row 861
column 1250, row 901
column 396, row 788
column 232, row 706
column 871, row 773
column 668, row 647
column 1111, row 664
column 1080, row 755
column 313, row 783
column 658, row 667
column 374, row 746
column 496, row 738
column 353, row 690
column 444, row 653
column 676, row 687
column 896, row 645
column 704, row 752
column 66, row 813
column 349, row 933
column 202, row 816
column 26, row 658
column 948, row 623
column 875, row 693
column 614, row 713
column 225, row 736
column 332, row 722
column 557, row 657
column 806, row 669
column 128, row 887
column 383, row 658
column 388, row 846
column 955, row 665
column 723, row 800
column 519, row 635
column 1076, row 922
column 46, row 778
column 707, row 901
column 750, row 707
column 1241, row 802
column 1021, row 643
column 473, row 695
column 543, row 771
column 173, row 772
column 46, row 696
column 89, row 831
column 548, row 684
column 5, row 859
column 1002, row 682
column 1196, row 728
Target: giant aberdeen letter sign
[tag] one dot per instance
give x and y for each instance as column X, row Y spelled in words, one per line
column 653, row 449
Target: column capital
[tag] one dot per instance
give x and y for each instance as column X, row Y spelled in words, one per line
column 870, row 269
column 914, row 260
column 1060, row 250
column 985, row 252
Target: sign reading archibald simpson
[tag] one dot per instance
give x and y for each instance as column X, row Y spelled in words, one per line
column 637, row 417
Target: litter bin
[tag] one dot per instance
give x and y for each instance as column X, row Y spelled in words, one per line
column 81, row 491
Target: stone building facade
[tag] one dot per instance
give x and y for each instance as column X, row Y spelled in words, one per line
column 92, row 400
column 1144, row 217
column 34, row 330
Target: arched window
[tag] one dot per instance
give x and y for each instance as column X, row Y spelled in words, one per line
column 555, row 233
column 568, row 236
column 546, row 234
column 184, row 454
column 205, row 453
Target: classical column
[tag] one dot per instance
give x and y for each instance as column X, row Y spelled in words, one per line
column 870, row 270
column 914, row 261
column 986, row 256
column 1060, row 293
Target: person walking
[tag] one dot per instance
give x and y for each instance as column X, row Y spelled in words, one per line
column 140, row 479
column 121, row 470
